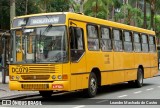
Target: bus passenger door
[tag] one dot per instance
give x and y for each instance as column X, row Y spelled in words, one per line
column 77, row 57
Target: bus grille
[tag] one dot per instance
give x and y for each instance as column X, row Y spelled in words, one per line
column 42, row 69
column 35, row 77
column 34, row 86
column 36, row 68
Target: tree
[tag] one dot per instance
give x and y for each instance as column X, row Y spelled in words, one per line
column 43, row 5
column 152, row 6
column 116, row 4
column 22, row 7
column 157, row 29
column 26, row 8
column 97, row 8
column 129, row 15
column 144, row 20
column 4, row 16
column 81, row 5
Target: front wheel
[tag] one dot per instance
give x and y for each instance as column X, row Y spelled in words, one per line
column 92, row 86
column 46, row 94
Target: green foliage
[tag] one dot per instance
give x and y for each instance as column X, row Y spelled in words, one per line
column 59, row 6
column 157, row 29
column 21, row 7
column 4, row 14
column 130, row 15
column 97, row 8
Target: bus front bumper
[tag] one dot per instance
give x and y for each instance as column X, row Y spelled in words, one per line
column 39, row 86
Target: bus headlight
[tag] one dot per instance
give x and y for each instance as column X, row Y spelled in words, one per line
column 53, row 77
column 59, row 76
column 11, row 77
column 17, row 77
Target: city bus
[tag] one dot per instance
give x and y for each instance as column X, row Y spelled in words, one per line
column 65, row 51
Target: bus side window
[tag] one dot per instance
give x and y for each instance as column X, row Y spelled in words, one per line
column 76, row 43
column 137, row 43
column 93, row 39
column 144, row 43
column 152, row 45
column 117, row 40
column 128, row 47
column 106, row 44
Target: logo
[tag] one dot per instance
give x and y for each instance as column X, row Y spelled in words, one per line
column 6, row 102
column 20, row 69
column 34, row 77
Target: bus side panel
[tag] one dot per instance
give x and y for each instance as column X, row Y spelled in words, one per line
column 138, row 59
column 154, row 64
column 85, row 79
column 106, row 78
column 73, row 82
column 130, row 75
column 146, row 64
column 107, row 66
column 66, row 71
column 129, row 61
column 118, row 76
column 147, row 72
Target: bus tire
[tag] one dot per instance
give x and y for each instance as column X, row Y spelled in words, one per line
column 139, row 80
column 91, row 91
column 46, row 94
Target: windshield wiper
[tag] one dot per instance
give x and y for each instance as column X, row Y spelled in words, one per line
column 39, row 41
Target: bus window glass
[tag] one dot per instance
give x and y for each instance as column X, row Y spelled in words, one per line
column 128, row 41
column 41, row 44
column 127, row 36
column 137, row 44
column 144, row 43
column 136, row 38
column 152, row 46
column 93, row 40
column 76, row 43
column 117, row 40
column 105, row 33
column 116, row 34
column 92, row 31
column 106, row 44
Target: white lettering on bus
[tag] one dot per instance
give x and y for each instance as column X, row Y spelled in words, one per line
column 45, row 20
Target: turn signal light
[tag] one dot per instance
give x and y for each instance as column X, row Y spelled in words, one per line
column 64, row 77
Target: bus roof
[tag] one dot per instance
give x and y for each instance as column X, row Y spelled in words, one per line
column 93, row 20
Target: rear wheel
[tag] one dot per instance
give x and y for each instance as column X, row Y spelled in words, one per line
column 139, row 81
column 46, row 94
column 92, row 86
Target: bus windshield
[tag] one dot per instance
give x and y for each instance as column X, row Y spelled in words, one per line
column 43, row 44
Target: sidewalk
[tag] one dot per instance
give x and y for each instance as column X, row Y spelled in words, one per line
column 5, row 91
column 7, row 78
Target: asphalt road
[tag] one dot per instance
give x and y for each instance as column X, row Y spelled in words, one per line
column 107, row 95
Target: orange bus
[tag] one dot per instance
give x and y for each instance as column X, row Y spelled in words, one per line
column 68, row 51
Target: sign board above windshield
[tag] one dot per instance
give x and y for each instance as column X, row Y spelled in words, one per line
column 39, row 20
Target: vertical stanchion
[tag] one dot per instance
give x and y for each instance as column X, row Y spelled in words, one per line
column 3, row 70
column 4, row 61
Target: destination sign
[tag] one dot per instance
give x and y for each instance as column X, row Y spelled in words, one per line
column 39, row 20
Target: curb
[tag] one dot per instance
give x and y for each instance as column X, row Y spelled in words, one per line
column 22, row 96
column 15, row 97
